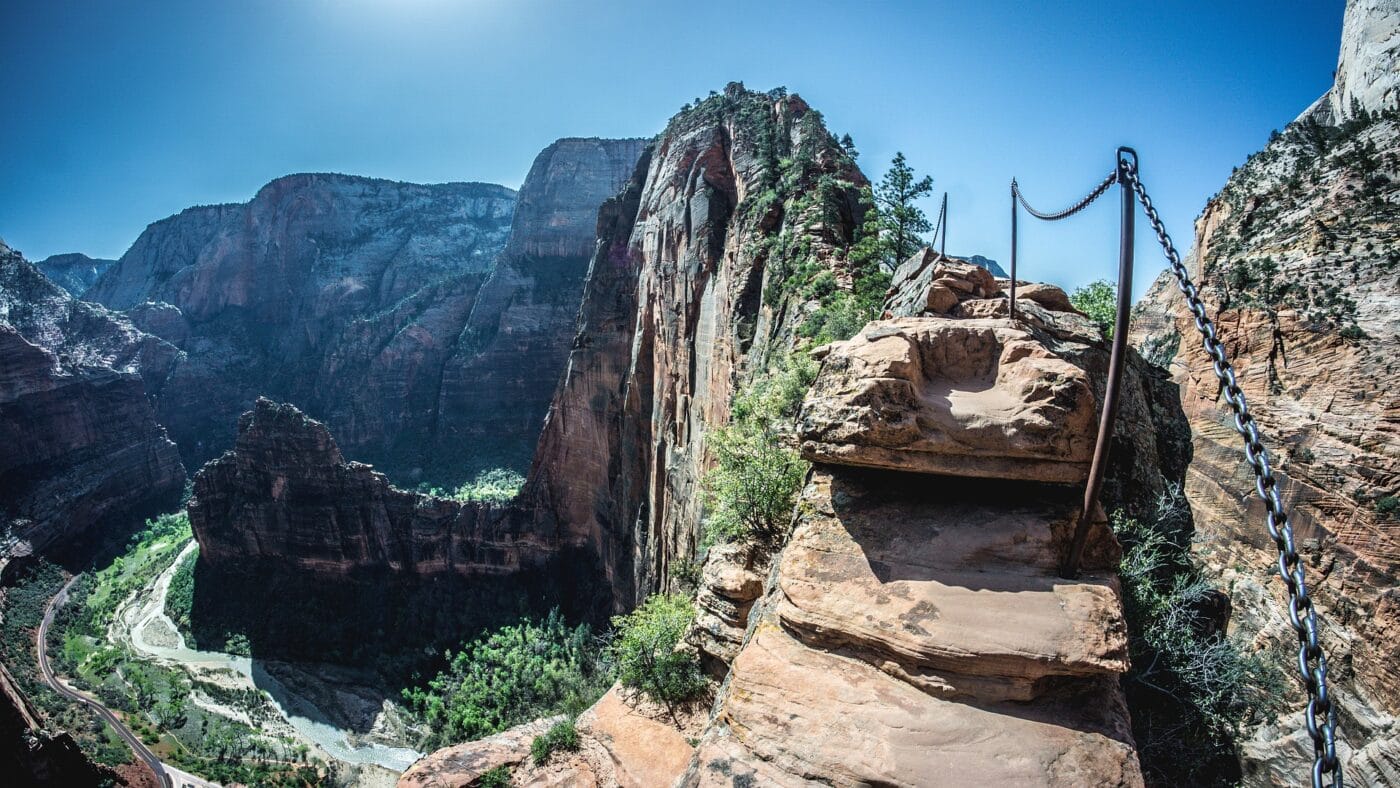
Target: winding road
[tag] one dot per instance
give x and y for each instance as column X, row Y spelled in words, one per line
column 162, row 772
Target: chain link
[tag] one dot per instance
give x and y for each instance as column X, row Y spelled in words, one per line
column 1073, row 209
column 1321, row 714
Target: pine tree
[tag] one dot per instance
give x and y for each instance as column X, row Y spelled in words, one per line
column 849, row 146
column 901, row 221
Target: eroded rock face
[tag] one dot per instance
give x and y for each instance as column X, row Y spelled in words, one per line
column 79, row 442
column 962, row 397
column 674, row 317
column 497, row 385
column 1368, row 68
column 343, row 294
column 1296, row 259
column 731, row 581
column 286, row 494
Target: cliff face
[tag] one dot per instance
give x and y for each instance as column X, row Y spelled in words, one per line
column 684, row 299
column 497, row 385
column 343, row 294
column 1367, row 80
column 386, row 309
column 74, row 272
column 1297, row 260
column 79, row 441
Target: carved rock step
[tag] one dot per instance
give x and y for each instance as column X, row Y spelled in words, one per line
column 962, row 397
column 794, row 714
column 959, row 592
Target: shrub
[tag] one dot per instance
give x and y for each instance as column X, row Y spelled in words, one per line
column 1099, row 302
column 644, row 648
column 1387, row 505
column 754, row 484
column 1191, row 689
column 517, row 673
column 756, row 478
column 562, row 736
column 498, row 485
column 1352, row 333
column 498, row 777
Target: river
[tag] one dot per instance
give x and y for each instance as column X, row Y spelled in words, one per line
column 141, row 623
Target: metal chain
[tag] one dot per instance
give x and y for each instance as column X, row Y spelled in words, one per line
column 1321, row 715
column 1073, row 209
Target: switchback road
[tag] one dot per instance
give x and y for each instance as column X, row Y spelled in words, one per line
column 51, row 679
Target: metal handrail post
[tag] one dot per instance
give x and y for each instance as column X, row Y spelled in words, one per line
column 1013, row 250
column 943, row 220
column 1116, row 360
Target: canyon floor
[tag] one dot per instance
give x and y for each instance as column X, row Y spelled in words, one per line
column 320, row 706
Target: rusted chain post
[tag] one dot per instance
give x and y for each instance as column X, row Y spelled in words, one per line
column 1013, row 250
column 1116, row 360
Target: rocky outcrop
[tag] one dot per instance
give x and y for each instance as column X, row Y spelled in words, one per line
column 960, row 397
column 624, row 742
column 79, row 441
column 915, row 623
column 286, row 494
column 353, row 563
column 685, row 297
column 73, row 272
column 731, row 581
column 1296, row 258
column 464, row 764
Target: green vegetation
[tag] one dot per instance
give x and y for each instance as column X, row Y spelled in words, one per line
column 757, row 475
column 148, row 553
column 498, row 777
column 644, row 647
column 158, row 701
column 1099, row 302
column 1387, row 505
column 520, row 672
column 498, row 485
column 24, row 602
column 562, row 736
column 179, row 598
column 1192, row 690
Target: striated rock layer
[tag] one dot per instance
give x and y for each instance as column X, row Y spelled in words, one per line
column 1297, row 260
column 79, row 442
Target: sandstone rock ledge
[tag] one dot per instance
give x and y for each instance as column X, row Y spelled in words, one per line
column 914, row 631
column 916, row 634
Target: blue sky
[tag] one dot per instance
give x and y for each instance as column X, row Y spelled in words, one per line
column 121, row 113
